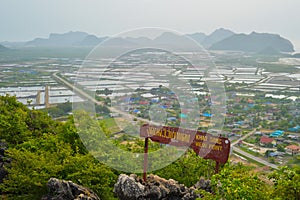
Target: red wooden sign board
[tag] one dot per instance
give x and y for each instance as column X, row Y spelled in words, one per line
column 204, row 144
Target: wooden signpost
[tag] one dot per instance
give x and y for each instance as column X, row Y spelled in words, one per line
column 204, row 144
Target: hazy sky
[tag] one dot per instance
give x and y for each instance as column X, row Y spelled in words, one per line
column 26, row 19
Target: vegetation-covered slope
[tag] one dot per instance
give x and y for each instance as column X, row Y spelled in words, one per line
column 41, row 148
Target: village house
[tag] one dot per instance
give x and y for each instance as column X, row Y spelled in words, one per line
column 292, row 149
column 293, row 137
column 280, row 141
column 258, row 133
column 266, row 141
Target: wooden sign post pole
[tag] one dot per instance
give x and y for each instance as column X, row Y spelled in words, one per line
column 145, row 159
column 217, row 167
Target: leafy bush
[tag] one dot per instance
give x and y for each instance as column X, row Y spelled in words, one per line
column 18, row 123
column 37, row 160
column 286, row 183
column 188, row 169
column 237, row 182
column 41, row 148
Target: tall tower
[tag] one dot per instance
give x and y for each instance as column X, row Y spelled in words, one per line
column 47, row 104
column 38, row 98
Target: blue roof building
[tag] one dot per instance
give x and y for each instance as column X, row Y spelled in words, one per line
column 295, row 129
column 172, row 119
column 182, row 115
column 206, row 114
column 136, row 111
column 277, row 133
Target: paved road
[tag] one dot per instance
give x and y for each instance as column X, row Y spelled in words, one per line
column 244, row 137
column 247, row 155
column 75, row 89
column 87, row 96
column 255, row 158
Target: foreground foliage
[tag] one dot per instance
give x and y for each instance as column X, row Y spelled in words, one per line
column 41, row 148
column 286, row 183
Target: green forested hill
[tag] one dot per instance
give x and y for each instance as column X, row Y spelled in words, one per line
column 41, row 148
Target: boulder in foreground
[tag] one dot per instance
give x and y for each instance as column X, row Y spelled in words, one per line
column 67, row 190
column 155, row 188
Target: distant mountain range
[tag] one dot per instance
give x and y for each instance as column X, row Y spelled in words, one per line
column 66, row 39
column 220, row 39
column 217, row 36
column 254, row 42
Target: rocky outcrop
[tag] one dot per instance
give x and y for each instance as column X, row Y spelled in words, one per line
column 155, row 188
column 203, row 185
column 67, row 190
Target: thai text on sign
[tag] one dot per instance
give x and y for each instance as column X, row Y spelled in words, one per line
column 204, row 144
